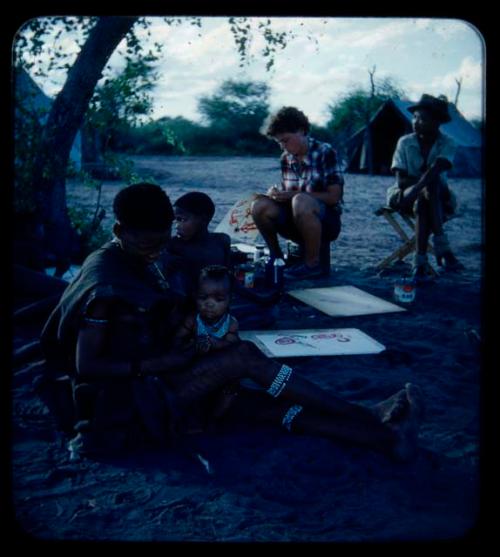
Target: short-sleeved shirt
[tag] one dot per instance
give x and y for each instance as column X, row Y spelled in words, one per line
column 318, row 170
column 408, row 155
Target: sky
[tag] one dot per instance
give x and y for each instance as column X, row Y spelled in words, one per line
column 326, row 59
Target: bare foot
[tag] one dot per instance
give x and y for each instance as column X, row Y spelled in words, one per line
column 407, row 427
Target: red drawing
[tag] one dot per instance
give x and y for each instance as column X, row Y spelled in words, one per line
column 323, row 336
column 284, row 340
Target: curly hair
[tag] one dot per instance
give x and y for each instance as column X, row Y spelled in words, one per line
column 287, row 120
column 216, row 273
column 197, row 203
column 143, row 206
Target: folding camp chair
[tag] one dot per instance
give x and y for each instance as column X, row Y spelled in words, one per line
column 396, row 219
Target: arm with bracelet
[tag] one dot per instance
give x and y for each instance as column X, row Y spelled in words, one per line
column 92, row 359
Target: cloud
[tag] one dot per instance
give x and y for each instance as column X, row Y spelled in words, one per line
column 470, row 72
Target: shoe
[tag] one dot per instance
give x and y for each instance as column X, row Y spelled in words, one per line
column 302, row 271
column 422, row 274
column 449, row 262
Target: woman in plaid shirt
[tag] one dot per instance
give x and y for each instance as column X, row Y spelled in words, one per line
column 306, row 206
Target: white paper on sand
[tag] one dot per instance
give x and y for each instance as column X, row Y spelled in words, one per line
column 239, row 224
column 313, row 342
column 344, row 301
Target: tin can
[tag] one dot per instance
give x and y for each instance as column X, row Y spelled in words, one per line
column 249, row 279
column 404, row 291
column 245, row 275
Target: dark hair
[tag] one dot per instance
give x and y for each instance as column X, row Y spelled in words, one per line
column 197, row 203
column 287, row 120
column 143, row 206
column 217, row 273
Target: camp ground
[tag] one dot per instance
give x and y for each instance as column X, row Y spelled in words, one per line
column 334, row 301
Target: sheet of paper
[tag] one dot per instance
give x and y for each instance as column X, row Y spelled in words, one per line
column 238, row 222
column 313, row 342
column 344, row 301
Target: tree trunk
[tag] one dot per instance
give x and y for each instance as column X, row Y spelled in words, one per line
column 64, row 120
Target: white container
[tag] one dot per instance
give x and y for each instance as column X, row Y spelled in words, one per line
column 404, row 291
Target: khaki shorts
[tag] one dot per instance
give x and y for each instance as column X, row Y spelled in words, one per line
column 449, row 199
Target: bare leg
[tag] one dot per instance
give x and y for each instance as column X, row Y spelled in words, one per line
column 442, row 249
column 422, row 225
column 396, row 437
column 265, row 213
column 435, row 208
column 305, row 214
column 217, row 370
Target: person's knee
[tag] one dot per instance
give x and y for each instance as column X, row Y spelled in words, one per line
column 421, row 205
column 263, row 208
column 303, row 205
column 248, row 351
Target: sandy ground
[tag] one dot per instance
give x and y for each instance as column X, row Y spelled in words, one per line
column 269, row 485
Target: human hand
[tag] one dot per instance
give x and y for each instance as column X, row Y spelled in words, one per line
column 280, row 196
column 272, row 191
column 189, row 348
column 203, row 344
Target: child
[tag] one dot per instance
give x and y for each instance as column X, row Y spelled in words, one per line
column 193, row 245
column 212, row 327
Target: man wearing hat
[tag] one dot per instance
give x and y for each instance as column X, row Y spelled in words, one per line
column 420, row 163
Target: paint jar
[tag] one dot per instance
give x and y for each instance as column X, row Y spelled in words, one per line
column 404, row 290
column 245, row 275
column 259, row 253
column 249, row 278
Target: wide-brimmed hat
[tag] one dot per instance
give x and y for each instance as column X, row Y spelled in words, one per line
column 437, row 106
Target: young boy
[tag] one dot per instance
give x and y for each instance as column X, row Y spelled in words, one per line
column 212, row 327
column 193, row 245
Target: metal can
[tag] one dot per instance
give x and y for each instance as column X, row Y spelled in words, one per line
column 245, row 275
column 249, row 279
column 404, row 291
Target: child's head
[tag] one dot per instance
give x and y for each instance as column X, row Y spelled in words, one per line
column 214, row 292
column 193, row 212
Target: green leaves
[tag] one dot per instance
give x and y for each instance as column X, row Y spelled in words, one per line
column 244, row 29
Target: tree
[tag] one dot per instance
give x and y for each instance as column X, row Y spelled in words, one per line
column 102, row 36
column 64, row 119
column 356, row 107
column 235, row 112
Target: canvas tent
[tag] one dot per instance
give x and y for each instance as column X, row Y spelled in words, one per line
column 30, row 99
column 390, row 122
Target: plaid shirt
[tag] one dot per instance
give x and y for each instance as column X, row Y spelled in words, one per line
column 315, row 173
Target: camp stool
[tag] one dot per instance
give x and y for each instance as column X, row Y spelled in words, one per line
column 396, row 219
